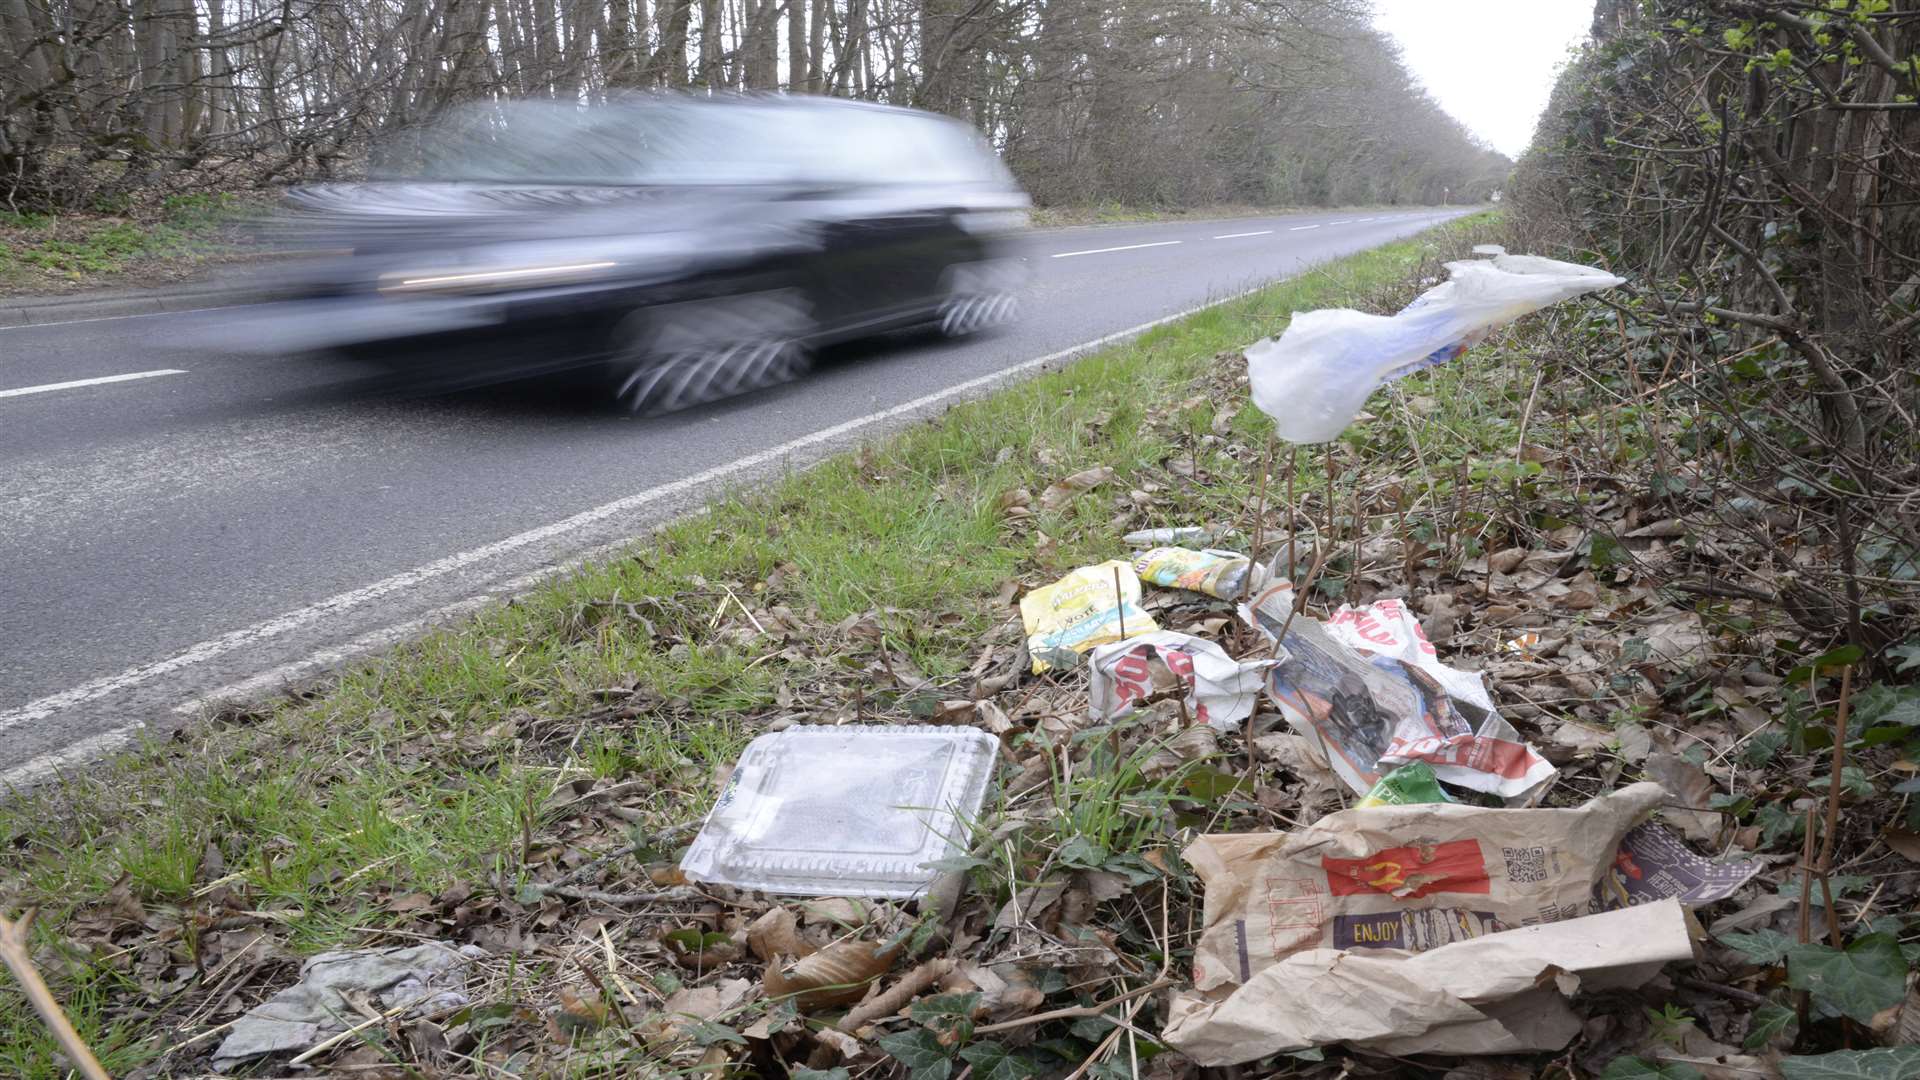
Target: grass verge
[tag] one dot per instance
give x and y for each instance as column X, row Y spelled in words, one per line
column 423, row 792
column 42, row 253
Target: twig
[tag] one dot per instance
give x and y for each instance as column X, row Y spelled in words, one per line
column 1120, row 603
column 327, row 1044
column 1733, row 993
column 1076, row 1010
column 1833, row 802
column 677, row 895
column 1293, row 508
column 1260, row 506
column 13, row 950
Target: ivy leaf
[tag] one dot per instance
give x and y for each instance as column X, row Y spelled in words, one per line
column 820, row 1074
column 1761, row 947
column 1868, row 976
column 992, row 1061
column 1883, row 704
column 930, row 1011
column 1886, row 1063
column 1212, row 785
column 920, row 1051
column 707, row 1033
column 948, row 1013
column 1082, row 853
column 1770, row 1022
column 1633, row 1068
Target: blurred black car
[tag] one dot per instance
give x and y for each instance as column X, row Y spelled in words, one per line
column 684, row 248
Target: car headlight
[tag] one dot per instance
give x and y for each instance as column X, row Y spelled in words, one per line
column 465, row 280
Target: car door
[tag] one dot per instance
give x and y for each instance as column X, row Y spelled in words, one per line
column 881, row 226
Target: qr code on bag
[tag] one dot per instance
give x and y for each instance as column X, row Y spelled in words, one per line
column 1526, row 864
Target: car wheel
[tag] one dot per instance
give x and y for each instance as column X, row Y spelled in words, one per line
column 977, row 297
column 673, row 356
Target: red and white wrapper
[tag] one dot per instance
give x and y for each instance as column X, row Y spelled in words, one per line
column 1220, row 691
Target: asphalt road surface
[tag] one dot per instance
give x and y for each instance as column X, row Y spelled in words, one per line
column 175, row 529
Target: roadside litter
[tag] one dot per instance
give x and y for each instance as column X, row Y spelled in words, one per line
column 1183, row 536
column 1367, row 686
column 1653, row 865
column 1405, row 786
column 1216, row 689
column 1086, row 609
column 417, row 978
column 854, row 810
column 1221, row 574
column 1313, row 379
column 1285, row 958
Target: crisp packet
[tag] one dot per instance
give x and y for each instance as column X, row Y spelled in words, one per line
column 1216, row 573
column 1407, row 785
column 1088, row 608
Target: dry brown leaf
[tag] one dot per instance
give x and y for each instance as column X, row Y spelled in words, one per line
column 1905, row 842
column 1689, row 786
column 836, row 975
column 777, row 934
column 1504, row 562
column 709, row 1002
column 838, row 912
column 1061, row 492
column 1659, row 530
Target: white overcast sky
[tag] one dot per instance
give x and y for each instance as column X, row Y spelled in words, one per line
column 1491, row 63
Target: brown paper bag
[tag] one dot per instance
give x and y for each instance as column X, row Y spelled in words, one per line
column 1344, row 906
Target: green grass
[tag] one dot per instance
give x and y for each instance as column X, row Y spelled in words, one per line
column 43, row 250
column 444, row 762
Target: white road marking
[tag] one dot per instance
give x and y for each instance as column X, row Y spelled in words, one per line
column 1234, row 235
column 213, row 648
column 1349, row 221
column 1361, row 221
column 44, row 388
column 1302, row 228
column 1123, row 247
column 117, row 318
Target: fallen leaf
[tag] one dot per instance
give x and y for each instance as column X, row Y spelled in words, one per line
column 836, row 975
column 1061, row 492
column 1905, row 842
column 777, row 934
column 1689, row 786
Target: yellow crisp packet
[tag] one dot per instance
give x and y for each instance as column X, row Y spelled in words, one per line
column 1082, row 611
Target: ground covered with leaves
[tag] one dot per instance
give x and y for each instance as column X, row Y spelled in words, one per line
column 524, row 784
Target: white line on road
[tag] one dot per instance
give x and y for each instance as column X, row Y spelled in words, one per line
column 1123, row 247
column 1302, row 228
column 292, row 620
column 49, row 387
column 1361, row 221
column 1349, row 221
column 1233, row 235
column 117, row 318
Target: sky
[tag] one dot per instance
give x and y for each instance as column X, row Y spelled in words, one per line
column 1490, row 63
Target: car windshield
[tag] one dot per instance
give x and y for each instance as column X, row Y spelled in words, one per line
column 683, row 142
column 540, row 142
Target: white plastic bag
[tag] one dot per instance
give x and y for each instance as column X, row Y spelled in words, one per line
column 1315, row 376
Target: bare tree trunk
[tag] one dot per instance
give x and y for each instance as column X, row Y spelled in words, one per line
column 671, row 61
column 796, row 46
column 816, row 49
column 711, row 76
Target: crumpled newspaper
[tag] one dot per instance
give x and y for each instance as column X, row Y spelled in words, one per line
column 1369, row 687
column 1220, row 691
column 427, row 977
column 1433, row 927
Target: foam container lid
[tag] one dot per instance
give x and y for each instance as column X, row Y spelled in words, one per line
column 850, row 810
